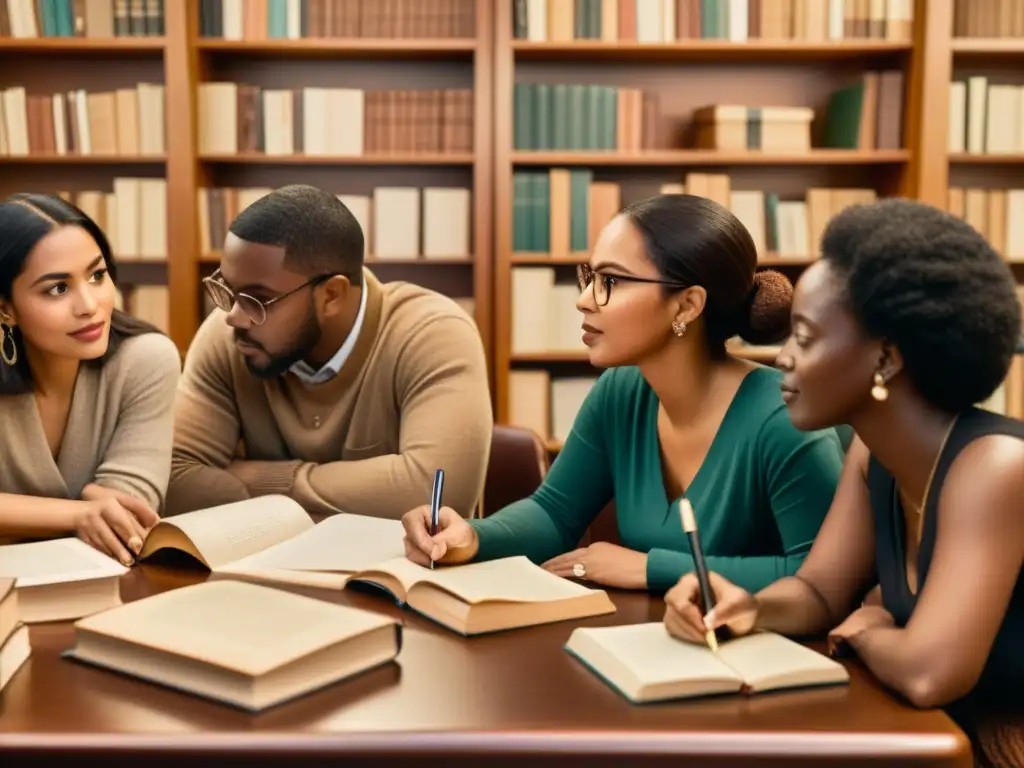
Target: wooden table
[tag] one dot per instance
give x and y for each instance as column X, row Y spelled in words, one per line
column 513, row 698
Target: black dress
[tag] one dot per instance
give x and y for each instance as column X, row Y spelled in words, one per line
column 1000, row 690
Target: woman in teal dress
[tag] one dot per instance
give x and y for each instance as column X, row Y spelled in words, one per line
column 670, row 280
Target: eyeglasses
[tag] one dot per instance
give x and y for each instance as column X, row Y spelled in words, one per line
column 224, row 298
column 586, row 275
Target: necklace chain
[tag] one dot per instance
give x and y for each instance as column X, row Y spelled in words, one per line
column 931, row 476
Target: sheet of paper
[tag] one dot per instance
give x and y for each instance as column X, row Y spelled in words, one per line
column 513, row 579
column 341, row 544
column 55, row 561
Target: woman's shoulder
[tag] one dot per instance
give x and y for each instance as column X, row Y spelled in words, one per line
column 146, row 356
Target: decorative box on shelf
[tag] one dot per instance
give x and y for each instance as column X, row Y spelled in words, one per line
column 765, row 129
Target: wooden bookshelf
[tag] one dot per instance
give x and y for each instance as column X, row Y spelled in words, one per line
column 686, row 74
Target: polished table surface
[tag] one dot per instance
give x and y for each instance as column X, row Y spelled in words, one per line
column 514, row 697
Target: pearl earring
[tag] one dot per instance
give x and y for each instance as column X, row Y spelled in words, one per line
column 880, row 392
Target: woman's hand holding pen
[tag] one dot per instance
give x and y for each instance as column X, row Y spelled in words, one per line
column 735, row 608
column 455, row 542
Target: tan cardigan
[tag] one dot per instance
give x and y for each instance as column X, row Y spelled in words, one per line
column 411, row 398
column 118, row 433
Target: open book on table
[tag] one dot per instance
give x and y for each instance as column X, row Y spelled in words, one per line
column 645, row 663
column 61, row 579
column 271, row 538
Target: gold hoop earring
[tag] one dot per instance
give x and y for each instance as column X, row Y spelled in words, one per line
column 679, row 328
column 880, row 392
column 9, row 357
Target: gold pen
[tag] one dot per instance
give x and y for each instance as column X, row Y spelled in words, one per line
column 706, row 595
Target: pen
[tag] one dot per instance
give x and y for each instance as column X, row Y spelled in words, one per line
column 706, row 595
column 435, row 504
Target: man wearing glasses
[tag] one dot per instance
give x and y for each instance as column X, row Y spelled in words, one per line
column 315, row 380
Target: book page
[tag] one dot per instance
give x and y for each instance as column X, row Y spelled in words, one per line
column 510, row 579
column 55, row 561
column 654, row 657
column 232, row 531
column 339, row 544
column 766, row 660
column 244, row 627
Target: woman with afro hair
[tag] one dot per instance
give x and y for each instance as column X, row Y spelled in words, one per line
column 908, row 320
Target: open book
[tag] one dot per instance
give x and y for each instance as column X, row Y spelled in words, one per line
column 271, row 538
column 61, row 579
column 243, row 644
column 645, row 663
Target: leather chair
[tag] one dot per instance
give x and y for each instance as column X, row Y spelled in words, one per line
column 519, row 461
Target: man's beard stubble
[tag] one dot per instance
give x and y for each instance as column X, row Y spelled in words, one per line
column 306, row 338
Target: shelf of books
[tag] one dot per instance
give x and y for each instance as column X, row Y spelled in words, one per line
column 985, row 143
column 784, row 113
column 74, row 120
column 386, row 106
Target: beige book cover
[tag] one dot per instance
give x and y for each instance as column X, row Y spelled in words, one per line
column 242, row 644
column 272, row 539
column 61, row 579
column 645, row 663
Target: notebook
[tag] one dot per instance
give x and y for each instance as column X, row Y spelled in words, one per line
column 247, row 645
column 61, row 579
column 645, row 663
column 272, row 539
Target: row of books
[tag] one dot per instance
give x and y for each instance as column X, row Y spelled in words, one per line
column 81, row 18
column 544, row 404
column 998, row 214
column 133, row 216
column 560, row 212
column 582, row 117
column 397, row 222
column 296, row 19
column 544, row 315
column 151, row 303
column 666, row 21
column 988, row 18
column 867, row 114
column 348, row 122
column 986, row 118
column 127, row 122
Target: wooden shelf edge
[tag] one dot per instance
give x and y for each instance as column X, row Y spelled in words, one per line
column 81, row 159
column 988, row 45
column 424, row 261
column 404, row 159
column 391, row 47
column 712, row 157
column 768, row 260
column 779, row 50
column 965, row 158
column 99, row 45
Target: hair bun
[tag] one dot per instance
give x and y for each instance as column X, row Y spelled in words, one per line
column 766, row 317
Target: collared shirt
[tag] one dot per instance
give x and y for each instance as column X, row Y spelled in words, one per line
column 331, row 368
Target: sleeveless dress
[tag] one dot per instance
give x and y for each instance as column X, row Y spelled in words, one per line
column 993, row 712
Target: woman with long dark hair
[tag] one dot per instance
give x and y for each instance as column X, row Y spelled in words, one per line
column 86, row 392
column 909, row 320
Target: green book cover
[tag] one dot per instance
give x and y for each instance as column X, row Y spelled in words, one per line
column 579, row 207
column 540, row 227
column 560, row 116
column 842, row 120
column 577, row 117
column 771, row 221
column 543, row 138
column 277, row 19
column 522, row 218
column 522, row 118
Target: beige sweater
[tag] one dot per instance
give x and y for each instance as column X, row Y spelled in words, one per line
column 411, row 398
column 118, row 433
